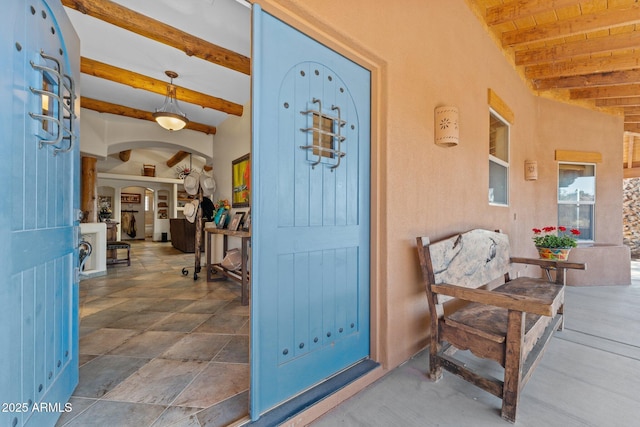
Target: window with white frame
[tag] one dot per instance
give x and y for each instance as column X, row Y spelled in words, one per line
column 498, row 160
column 577, row 198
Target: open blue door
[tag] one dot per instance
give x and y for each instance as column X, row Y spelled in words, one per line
column 310, row 260
column 39, row 61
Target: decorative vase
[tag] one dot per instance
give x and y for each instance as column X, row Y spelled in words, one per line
column 555, row 254
column 218, row 215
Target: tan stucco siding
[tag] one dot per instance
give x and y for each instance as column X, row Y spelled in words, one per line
column 431, row 53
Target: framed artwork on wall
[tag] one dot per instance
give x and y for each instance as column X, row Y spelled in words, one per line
column 130, row 198
column 241, row 181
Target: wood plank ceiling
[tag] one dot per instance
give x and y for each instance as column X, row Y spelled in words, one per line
column 579, row 51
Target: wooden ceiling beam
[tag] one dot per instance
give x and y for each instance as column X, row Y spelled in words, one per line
column 618, row 102
column 177, row 158
column 620, row 91
column 632, row 127
column 573, row 49
column 140, row 81
column 631, row 173
column 602, row 19
column 628, row 140
column 130, row 20
column 630, row 165
column 589, row 80
column 607, row 64
column 518, row 9
column 121, row 110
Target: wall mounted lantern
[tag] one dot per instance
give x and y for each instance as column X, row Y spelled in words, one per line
column 446, row 126
column 530, row 170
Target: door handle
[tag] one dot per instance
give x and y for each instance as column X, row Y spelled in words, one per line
column 84, row 250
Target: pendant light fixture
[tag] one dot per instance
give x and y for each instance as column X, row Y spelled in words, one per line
column 169, row 116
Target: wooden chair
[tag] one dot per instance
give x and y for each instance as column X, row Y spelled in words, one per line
column 510, row 323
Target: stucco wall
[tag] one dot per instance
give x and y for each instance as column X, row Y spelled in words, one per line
column 431, row 53
column 232, row 140
column 564, row 127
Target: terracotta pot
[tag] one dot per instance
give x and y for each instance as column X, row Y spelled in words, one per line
column 556, row 254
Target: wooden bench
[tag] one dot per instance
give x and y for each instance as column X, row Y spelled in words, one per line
column 112, row 253
column 474, row 305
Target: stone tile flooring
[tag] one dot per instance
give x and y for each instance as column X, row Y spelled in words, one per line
column 158, row 348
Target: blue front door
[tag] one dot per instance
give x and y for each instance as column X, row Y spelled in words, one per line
column 310, row 261
column 39, row 61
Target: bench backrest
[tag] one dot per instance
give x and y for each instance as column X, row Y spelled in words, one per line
column 470, row 259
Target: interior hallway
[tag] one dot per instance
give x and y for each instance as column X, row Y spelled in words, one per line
column 158, row 348
column 588, row 377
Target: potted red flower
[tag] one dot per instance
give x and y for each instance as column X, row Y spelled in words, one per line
column 555, row 242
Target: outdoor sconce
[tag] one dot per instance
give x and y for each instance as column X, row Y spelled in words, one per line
column 446, row 126
column 530, row 170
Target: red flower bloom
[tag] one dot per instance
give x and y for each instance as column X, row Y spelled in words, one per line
column 548, row 237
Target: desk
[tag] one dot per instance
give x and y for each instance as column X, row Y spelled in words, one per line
column 241, row 277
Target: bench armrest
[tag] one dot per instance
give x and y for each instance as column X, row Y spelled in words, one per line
column 527, row 304
column 546, row 263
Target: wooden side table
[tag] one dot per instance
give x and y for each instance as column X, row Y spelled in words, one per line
column 216, row 269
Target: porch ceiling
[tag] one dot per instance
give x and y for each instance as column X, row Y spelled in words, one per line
column 583, row 51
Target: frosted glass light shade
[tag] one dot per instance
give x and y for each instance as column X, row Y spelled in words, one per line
column 170, row 121
column 169, row 116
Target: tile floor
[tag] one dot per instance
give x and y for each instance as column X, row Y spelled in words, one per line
column 158, row 348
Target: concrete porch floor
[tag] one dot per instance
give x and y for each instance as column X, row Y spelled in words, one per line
column 589, row 376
